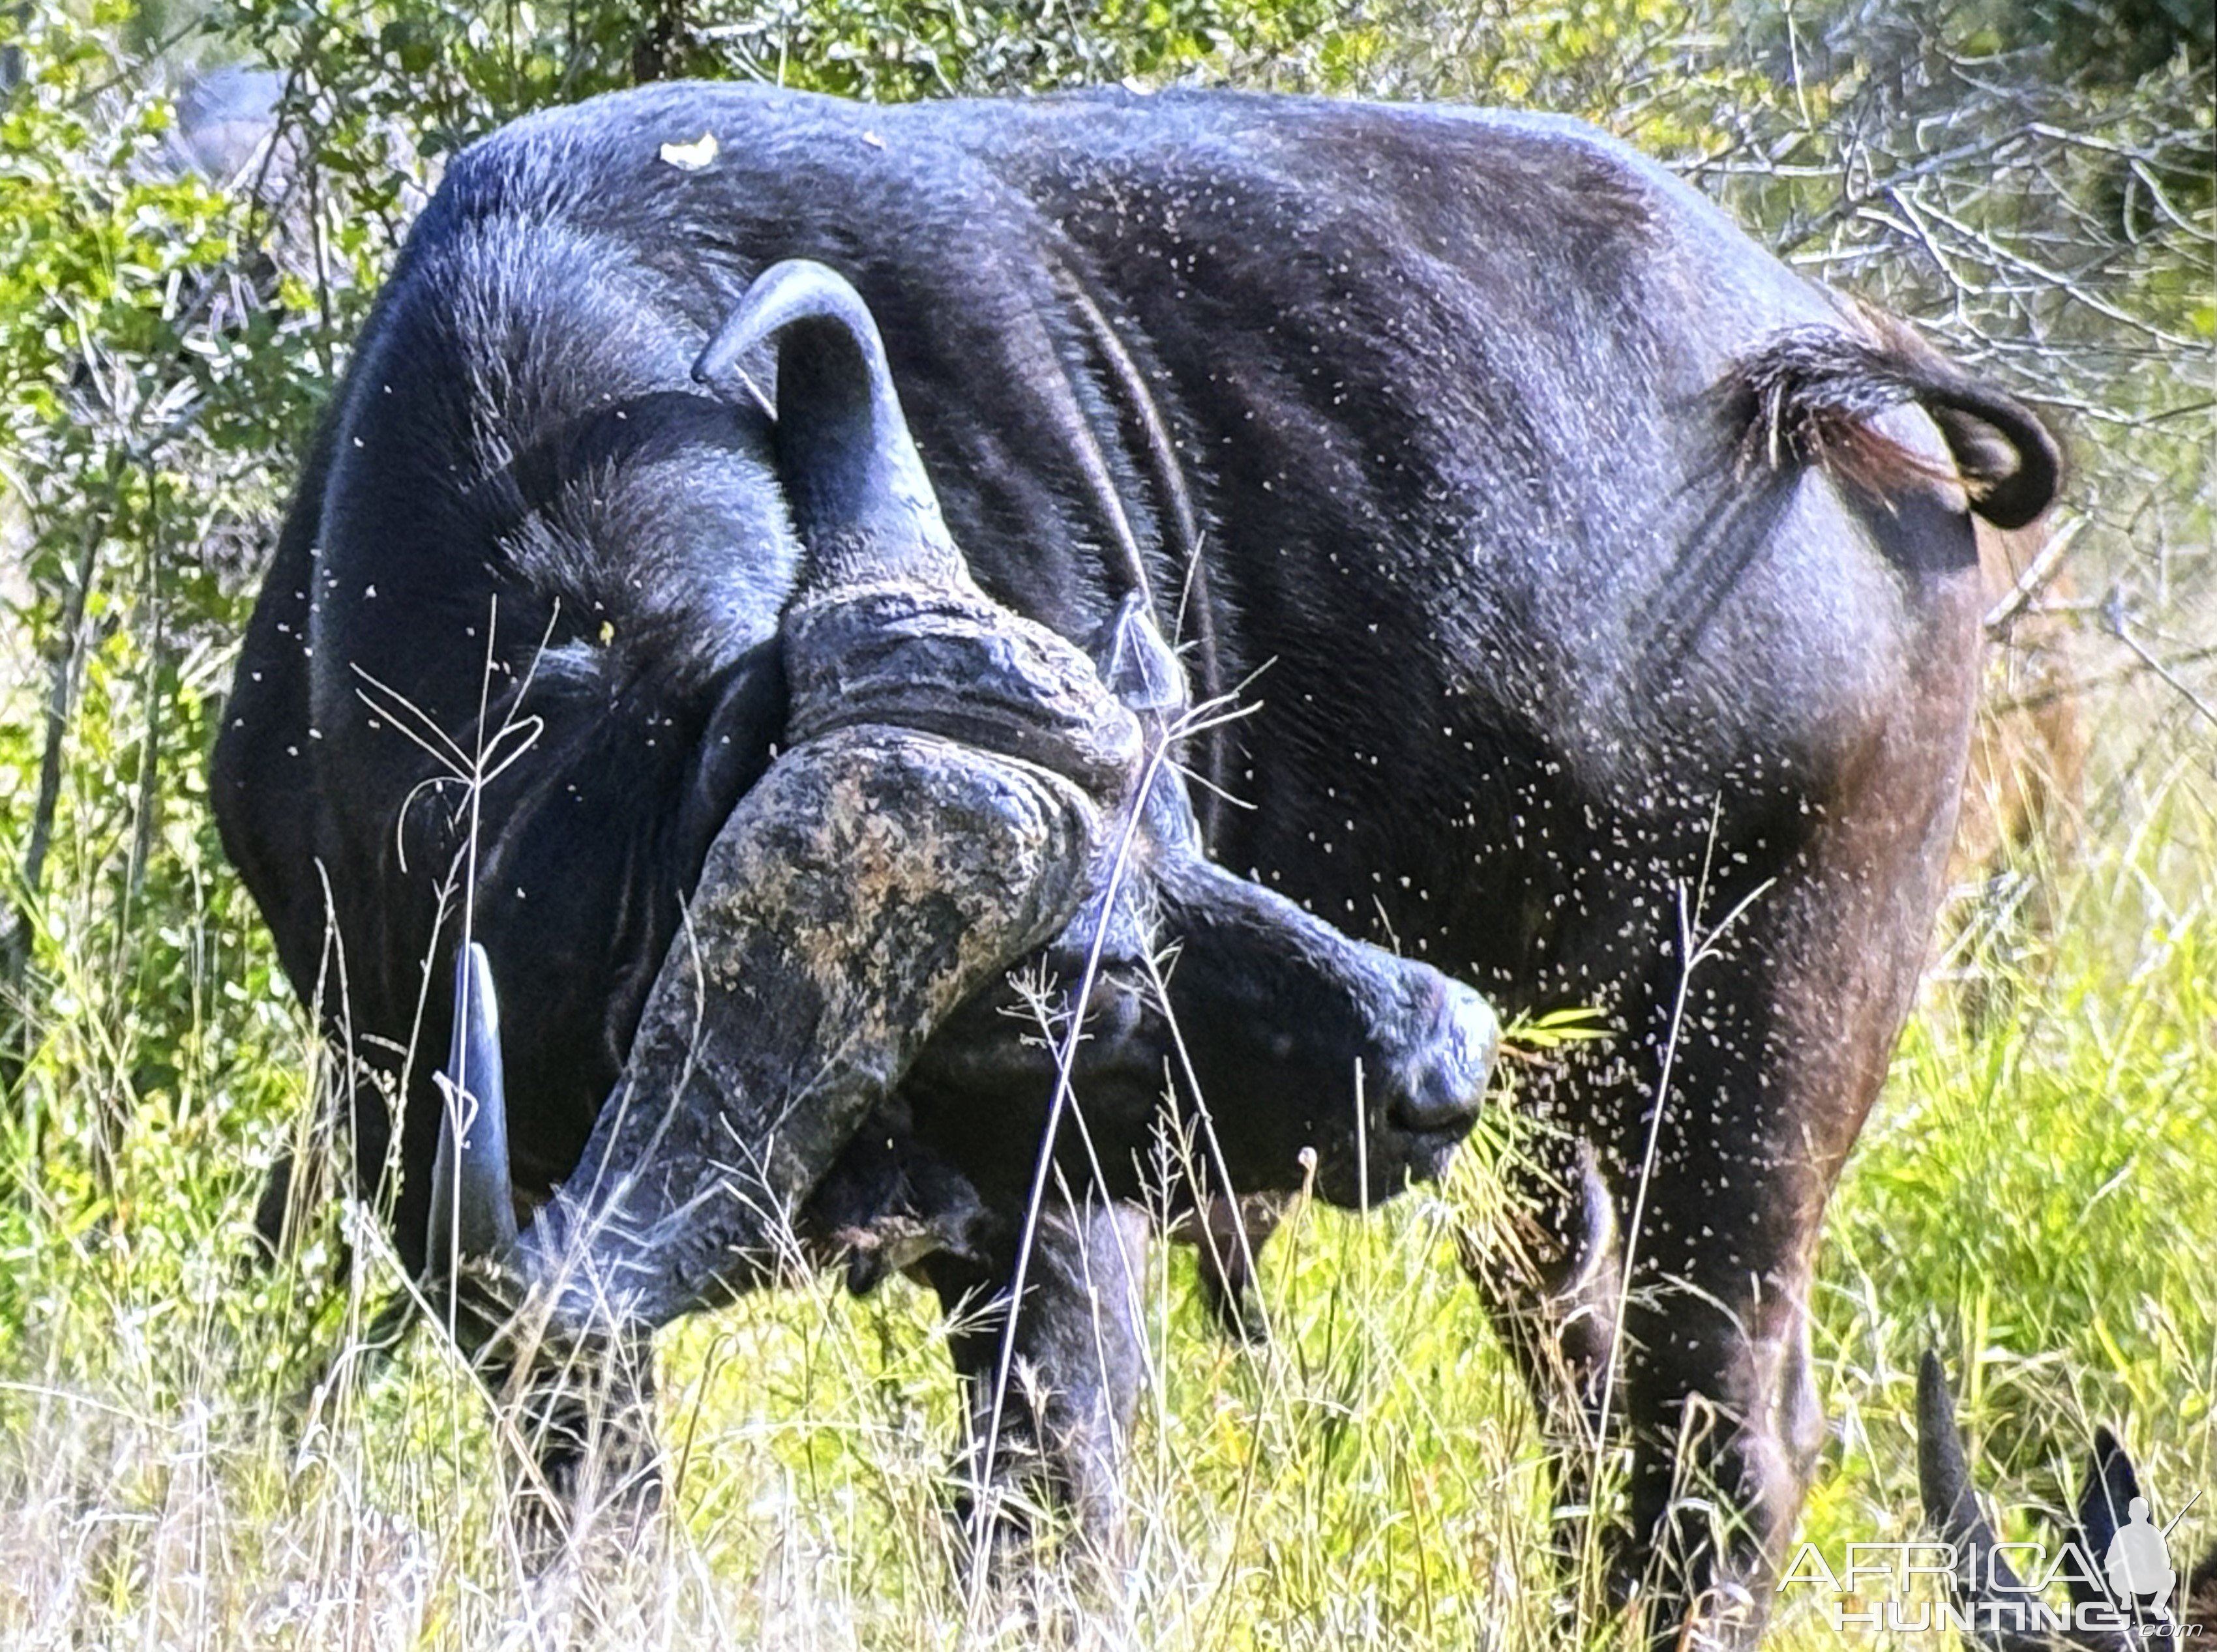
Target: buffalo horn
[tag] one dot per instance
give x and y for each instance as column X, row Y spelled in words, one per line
column 1951, row 1509
column 472, row 1204
column 860, row 498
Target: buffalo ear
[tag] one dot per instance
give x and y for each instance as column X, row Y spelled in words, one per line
column 2110, row 1487
column 1138, row 665
column 865, row 508
column 1943, row 1480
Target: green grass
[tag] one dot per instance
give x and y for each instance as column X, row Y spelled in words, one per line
column 2036, row 1195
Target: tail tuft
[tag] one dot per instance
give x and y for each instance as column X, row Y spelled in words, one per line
column 1809, row 396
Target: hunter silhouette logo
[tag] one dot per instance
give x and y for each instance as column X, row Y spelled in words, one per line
column 2112, row 1560
column 2134, row 1601
column 2137, row 1564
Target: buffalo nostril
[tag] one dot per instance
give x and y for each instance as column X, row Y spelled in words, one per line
column 1443, row 1078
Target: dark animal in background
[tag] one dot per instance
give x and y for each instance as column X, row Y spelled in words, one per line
column 1593, row 576
column 2108, row 1497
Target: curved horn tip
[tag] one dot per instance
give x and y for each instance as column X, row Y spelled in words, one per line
column 859, row 495
column 795, row 289
column 472, row 1199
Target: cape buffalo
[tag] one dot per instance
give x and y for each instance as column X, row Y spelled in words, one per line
column 1605, row 595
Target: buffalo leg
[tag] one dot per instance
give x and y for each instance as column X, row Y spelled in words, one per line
column 1550, row 1287
column 1777, row 1052
column 1074, row 1373
column 1662, row 1298
column 592, row 1466
column 1227, row 1235
column 1766, row 965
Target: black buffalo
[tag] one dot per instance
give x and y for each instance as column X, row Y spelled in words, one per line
column 1999, row 1611
column 1606, row 594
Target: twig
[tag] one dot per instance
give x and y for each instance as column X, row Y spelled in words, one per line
column 60, row 696
column 2113, row 615
column 2035, row 577
column 150, row 767
column 1849, row 205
